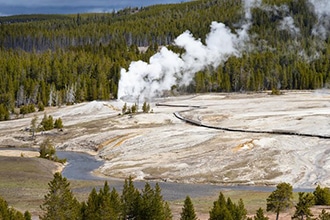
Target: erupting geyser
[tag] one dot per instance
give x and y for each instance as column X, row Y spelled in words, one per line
column 166, row 68
column 143, row 81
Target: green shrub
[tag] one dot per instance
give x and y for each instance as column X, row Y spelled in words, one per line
column 47, row 122
column 4, row 113
column 25, row 109
column 322, row 196
column 58, row 123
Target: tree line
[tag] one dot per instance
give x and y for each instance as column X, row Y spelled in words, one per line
column 53, row 60
column 148, row 204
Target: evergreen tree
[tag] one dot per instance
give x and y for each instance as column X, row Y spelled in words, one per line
column 134, row 108
column 47, row 122
column 146, row 107
column 41, row 106
column 4, row 113
column 59, row 202
column 91, row 207
column 8, row 213
column 147, row 208
column 240, row 211
column 58, row 123
column 220, row 210
column 130, row 200
column 306, row 201
column 167, row 212
column 34, row 125
column 324, row 215
column 159, row 206
column 102, row 205
column 260, row 215
column 27, row 215
column 188, row 211
column 47, row 150
column 280, row 199
column 322, row 196
column 115, row 203
column 228, row 210
column 105, row 209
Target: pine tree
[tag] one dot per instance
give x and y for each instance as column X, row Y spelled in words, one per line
column 27, row 215
column 240, row 211
column 167, row 212
column 47, row 122
column 146, row 107
column 34, row 125
column 47, row 150
column 91, row 210
column 306, row 201
column 322, row 196
column 58, row 123
column 4, row 113
column 220, row 210
column 188, row 211
column 41, row 107
column 324, row 215
column 9, row 213
column 280, row 199
column 115, row 203
column 134, row 108
column 228, row 210
column 147, row 207
column 105, row 209
column 130, row 200
column 260, row 215
column 158, row 202
column 59, row 202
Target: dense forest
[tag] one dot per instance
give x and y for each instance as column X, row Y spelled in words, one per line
column 51, row 60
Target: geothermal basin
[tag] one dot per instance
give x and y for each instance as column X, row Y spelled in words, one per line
column 159, row 146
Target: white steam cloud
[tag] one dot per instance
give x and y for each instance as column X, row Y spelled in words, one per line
column 166, row 68
column 144, row 81
column 248, row 4
column 322, row 9
column 288, row 24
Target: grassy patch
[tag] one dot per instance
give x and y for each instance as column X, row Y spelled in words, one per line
column 24, row 181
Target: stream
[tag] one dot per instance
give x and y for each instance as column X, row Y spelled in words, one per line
column 80, row 166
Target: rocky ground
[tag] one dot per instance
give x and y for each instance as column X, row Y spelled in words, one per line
column 159, row 146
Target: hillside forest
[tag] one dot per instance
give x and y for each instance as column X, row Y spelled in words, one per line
column 53, row 60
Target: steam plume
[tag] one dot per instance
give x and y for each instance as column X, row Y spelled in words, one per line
column 288, row 24
column 166, row 68
column 322, row 10
column 147, row 80
column 322, row 7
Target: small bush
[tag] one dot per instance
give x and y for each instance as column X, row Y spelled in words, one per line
column 47, row 122
column 47, row 151
column 58, row 123
column 4, row 113
column 25, row 109
column 41, row 107
column 276, row 92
